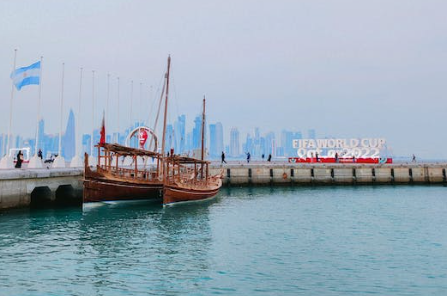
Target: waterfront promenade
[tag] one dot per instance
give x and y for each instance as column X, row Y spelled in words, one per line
column 41, row 187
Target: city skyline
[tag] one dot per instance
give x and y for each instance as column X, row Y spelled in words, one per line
column 260, row 144
column 176, row 138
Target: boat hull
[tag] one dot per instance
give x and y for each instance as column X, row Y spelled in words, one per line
column 100, row 186
column 172, row 194
column 102, row 190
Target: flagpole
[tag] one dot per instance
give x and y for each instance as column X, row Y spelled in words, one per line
column 140, row 123
column 39, row 104
column 59, row 162
column 7, row 162
column 140, row 118
column 35, row 162
column 107, row 105
column 93, row 111
column 77, row 160
column 62, row 105
column 118, row 112
column 10, row 106
column 79, row 114
column 131, row 103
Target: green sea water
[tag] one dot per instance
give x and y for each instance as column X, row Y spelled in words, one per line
column 248, row 241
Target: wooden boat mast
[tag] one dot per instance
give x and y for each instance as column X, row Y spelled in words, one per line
column 165, row 117
column 203, row 136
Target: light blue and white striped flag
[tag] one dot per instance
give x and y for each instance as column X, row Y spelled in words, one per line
column 26, row 75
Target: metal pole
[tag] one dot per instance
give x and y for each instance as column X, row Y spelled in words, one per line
column 107, row 106
column 118, row 111
column 93, row 110
column 78, row 132
column 10, row 106
column 131, row 103
column 38, row 106
column 62, row 105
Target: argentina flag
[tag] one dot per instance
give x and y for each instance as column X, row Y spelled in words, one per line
column 26, row 75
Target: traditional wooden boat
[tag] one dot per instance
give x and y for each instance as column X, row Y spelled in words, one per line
column 172, row 176
column 112, row 181
column 184, row 181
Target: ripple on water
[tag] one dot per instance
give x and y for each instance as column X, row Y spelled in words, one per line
column 267, row 241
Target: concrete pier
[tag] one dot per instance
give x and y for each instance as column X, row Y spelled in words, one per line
column 332, row 174
column 40, row 187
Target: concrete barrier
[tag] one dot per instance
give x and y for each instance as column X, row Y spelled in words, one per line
column 322, row 175
column 435, row 174
column 419, row 175
column 344, row 175
column 302, row 175
column 260, row 175
column 281, row 175
column 402, row 175
column 18, row 188
column 383, row 175
column 364, row 175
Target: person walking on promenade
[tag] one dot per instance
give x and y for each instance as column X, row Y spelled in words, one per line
column 39, row 154
column 248, row 157
column 223, row 158
column 19, row 159
column 316, row 157
column 414, row 158
column 269, row 159
column 262, row 156
column 336, row 157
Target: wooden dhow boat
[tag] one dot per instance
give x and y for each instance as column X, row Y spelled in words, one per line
column 112, row 181
column 187, row 179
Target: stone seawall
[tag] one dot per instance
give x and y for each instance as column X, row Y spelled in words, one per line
column 40, row 187
column 23, row 188
column 336, row 174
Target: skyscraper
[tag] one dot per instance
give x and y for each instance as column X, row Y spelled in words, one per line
column 170, row 137
column 68, row 139
column 235, row 149
column 180, row 134
column 197, row 133
column 216, row 140
column 270, row 144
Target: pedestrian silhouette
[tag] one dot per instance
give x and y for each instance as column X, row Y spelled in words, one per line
column 248, row 157
column 19, row 159
column 269, row 158
column 223, row 157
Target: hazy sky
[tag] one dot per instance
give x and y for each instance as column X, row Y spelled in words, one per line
column 348, row 68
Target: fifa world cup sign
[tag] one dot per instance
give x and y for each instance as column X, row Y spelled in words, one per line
column 358, row 148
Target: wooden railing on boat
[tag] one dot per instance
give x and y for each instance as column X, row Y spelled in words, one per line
column 109, row 162
column 188, row 171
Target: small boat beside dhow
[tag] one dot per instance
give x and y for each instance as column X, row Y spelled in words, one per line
column 187, row 179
